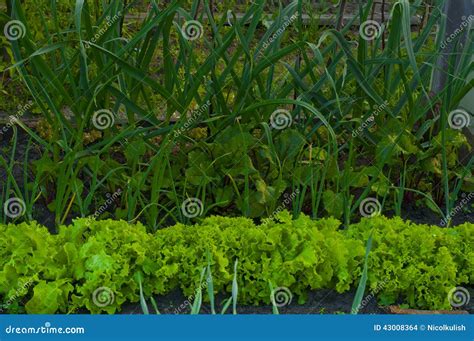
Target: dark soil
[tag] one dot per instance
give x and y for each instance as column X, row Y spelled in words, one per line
column 41, row 213
column 319, row 302
column 423, row 215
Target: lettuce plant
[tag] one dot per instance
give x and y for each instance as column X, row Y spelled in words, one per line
column 99, row 265
column 418, row 264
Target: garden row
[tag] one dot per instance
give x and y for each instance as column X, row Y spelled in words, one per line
column 261, row 110
column 415, row 264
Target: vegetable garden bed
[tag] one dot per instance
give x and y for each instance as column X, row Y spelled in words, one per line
column 100, row 265
column 193, row 156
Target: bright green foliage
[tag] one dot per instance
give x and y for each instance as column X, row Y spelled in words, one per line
column 416, row 263
column 297, row 254
column 28, row 256
column 105, row 254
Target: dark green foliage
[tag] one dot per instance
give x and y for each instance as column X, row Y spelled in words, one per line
column 360, row 115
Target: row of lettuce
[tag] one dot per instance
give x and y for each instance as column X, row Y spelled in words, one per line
column 417, row 265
